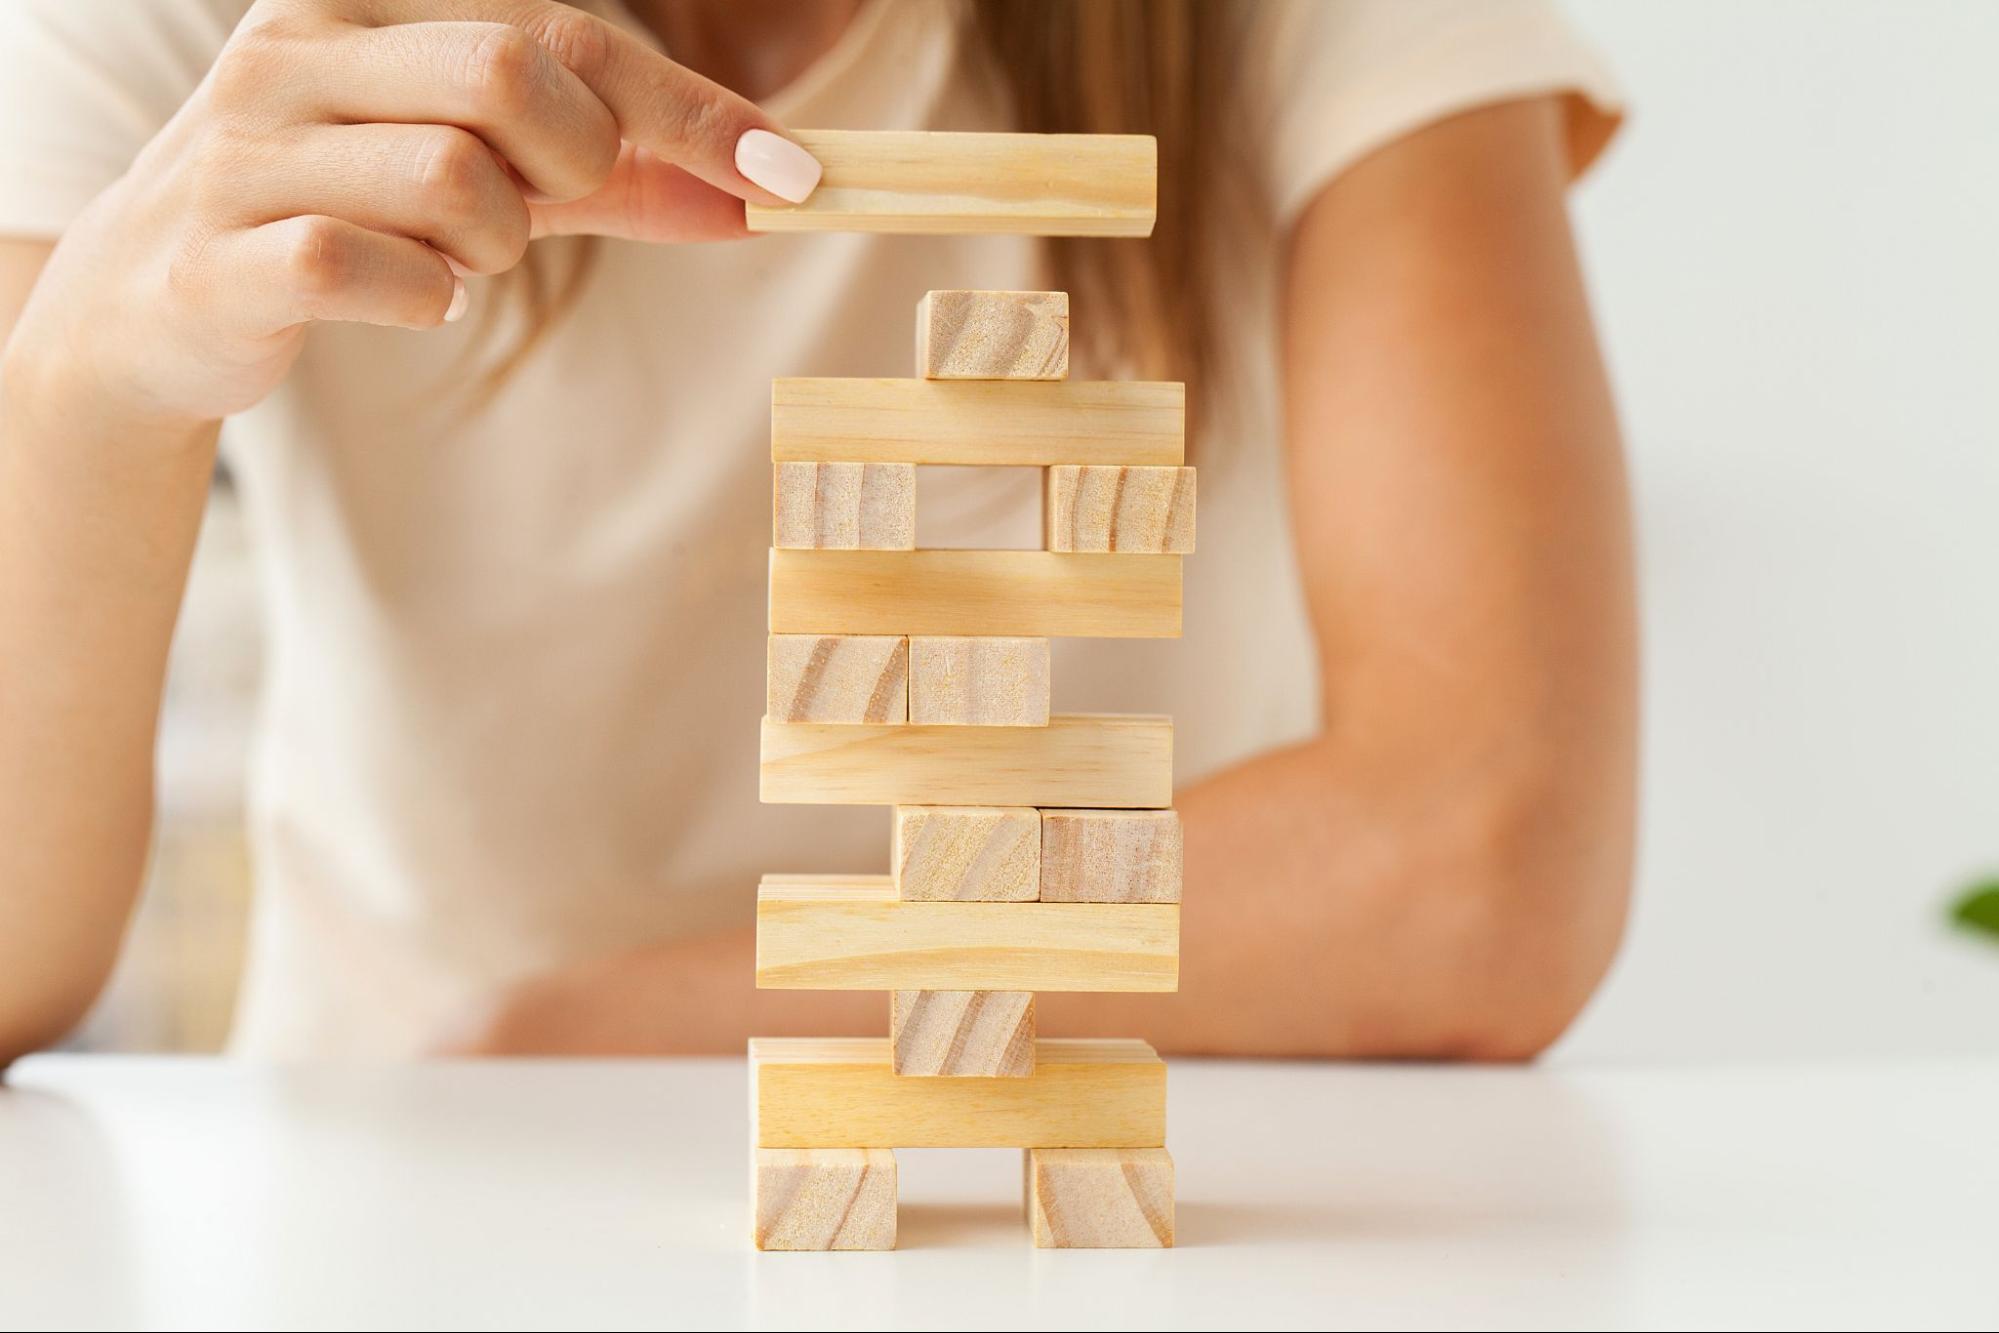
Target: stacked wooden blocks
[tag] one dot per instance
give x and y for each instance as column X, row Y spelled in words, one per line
column 1032, row 851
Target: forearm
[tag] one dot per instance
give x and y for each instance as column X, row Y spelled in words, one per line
column 97, row 526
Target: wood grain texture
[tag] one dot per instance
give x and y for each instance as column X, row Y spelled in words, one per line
column 961, row 1033
column 964, row 335
column 843, row 1092
column 844, row 506
column 940, row 183
column 1144, row 509
column 1035, row 594
column 967, row 853
column 1091, row 761
column 978, row 681
column 838, row 678
column 1110, row 856
column 853, row 937
column 1100, row 1198
column 823, row 1198
column 1019, row 424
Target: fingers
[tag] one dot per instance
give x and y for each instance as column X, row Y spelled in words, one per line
column 647, row 200
column 432, row 183
column 492, row 79
column 324, row 268
column 671, row 112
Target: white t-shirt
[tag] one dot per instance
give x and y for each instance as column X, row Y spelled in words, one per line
column 516, row 654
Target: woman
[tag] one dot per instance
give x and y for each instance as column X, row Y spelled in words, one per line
column 503, row 796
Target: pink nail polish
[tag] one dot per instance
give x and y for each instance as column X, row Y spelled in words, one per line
column 460, row 298
column 777, row 164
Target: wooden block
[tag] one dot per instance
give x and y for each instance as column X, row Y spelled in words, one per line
column 1082, row 760
column 1110, row 856
column 1110, row 423
column 838, row 678
column 988, row 681
column 1037, row 594
column 823, row 1198
column 845, row 506
column 993, row 336
column 817, row 936
column 1147, row 509
column 842, row 1092
column 1100, row 1198
column 962, row 1033
column 967, row 853
column 936, row 183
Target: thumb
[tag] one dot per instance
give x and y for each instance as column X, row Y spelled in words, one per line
column 646, row 199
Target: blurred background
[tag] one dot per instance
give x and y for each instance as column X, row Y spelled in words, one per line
column 1793, row 253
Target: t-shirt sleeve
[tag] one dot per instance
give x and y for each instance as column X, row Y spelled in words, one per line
column 84, row 85
column 1326, row 82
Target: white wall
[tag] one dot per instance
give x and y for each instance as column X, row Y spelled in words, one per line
column 1795, row 254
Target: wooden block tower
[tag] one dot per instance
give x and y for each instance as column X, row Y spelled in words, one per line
column 1032, row 851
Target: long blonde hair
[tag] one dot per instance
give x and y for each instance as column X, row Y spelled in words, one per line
column 1158, row 67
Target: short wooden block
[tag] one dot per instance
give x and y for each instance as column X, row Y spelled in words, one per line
column 1028, row 424
column 1037, row 594
column 1100, row 1198
column 845, row 506
column 823, row 1198
column 1146, row 509
column 838, row 678
column 842, row 1092
column 987, row 681
column 993, row 336
column 852, row 935
column 930, row 182
column 1110, row 856
column 962, row 1033
column 1086, row 761
column 967, row 853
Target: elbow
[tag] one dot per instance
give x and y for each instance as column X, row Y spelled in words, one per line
column 1529, row 922
column 26, row 1029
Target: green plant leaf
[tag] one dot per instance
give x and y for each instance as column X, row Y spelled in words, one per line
column 1977, row 909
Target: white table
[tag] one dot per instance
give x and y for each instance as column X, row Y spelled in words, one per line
column 611, row 1194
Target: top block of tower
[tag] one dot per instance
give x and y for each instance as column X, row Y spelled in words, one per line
column 941, row 183
column 993, row 336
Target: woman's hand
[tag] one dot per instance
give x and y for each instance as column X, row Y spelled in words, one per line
column 350, row 160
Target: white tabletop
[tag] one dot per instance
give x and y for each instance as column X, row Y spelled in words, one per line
column 139, row 1192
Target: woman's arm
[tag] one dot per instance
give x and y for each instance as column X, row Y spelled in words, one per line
column 1444, row 871
column 344, row 160
column 97, row 524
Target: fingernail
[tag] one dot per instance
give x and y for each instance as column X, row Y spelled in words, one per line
column 460, row 298
column 777, row 164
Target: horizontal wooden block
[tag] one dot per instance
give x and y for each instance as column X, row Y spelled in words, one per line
column 1036, row 594
column 1100, row 1198
column 842, row 1092
column 1145, row 509
column 1110, row 856
column 823, row 1198
column 984, row 681
column 862, row 937
column 1102, row 422
column 838, row 678
column 1079, row 760
column 967, row 853
column 844, row 506
column 993, row 336
column 962, row 1033
column 938, row 183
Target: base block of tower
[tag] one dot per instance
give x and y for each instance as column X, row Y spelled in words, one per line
column 1099, row 1198
column 823, row 1198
